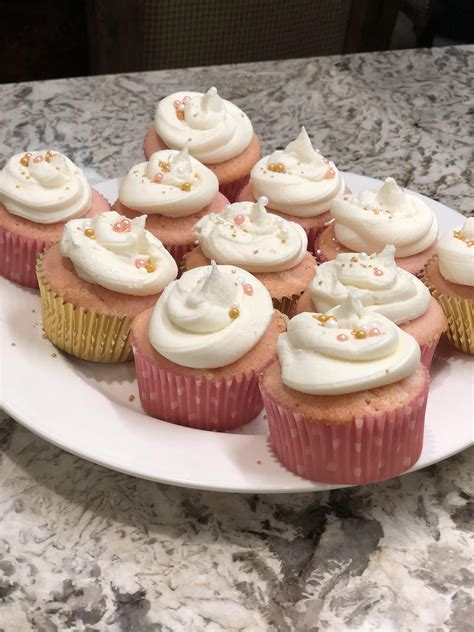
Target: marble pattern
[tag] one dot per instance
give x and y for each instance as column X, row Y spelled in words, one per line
column 85, row 548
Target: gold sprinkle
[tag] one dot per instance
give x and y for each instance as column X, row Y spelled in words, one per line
column 58, row 169
column 359, row 334
column 164, row 166
column 234, row 312
column 259, row 463
column 25, row 160
column 89, row 232
column 54, row 355
column 277, row 167
column 354, row 259
column 255, row 252
column 13, row 344
column 150, row 267
column 17, row 186
column 323, row 318
column 131, row 398
column 49, row 155
column 186, row 186
column 33, row 311
column 180, row 115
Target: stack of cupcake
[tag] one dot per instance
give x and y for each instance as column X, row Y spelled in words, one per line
column 338, row 350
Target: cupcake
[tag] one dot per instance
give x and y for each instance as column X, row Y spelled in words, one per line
column 105, row 270
column 346, row 401
column 199, row 351
column 382, row 287
column 217, row 132
column 39, row 191
column 174, row 190
column 244, row 234
column 450, row 277
column 373, row 219
column 299, row 183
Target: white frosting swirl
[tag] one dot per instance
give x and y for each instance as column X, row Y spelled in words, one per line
column 456, row 254
column 297, row 180
column 171, row 183
column 209, row 318
column 244, row 234
column 381, row 285
column 376, row 218
column 214, row 129
column 118, row 254
column 353, row 351
column 44, row 187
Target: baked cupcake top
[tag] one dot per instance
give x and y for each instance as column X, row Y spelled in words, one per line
column 214, row 129
column 380, row 284
column 347, row 350
column 44, row 187
column 118, row 253
column 456, row 254
column 245, row 234
column 171, row 183
column 368, row 222
column 210, row 317
column 297, row 180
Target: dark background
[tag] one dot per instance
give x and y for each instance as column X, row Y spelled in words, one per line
column 42, row 39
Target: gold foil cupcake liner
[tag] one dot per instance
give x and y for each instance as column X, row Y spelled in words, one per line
column 82, row 333
column 460, row 315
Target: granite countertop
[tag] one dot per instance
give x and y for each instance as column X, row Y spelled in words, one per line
column 86, row 548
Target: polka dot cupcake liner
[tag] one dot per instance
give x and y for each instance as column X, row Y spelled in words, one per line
column 196, row 402
column 18, row 256
column 363, row 450
column 232, row 189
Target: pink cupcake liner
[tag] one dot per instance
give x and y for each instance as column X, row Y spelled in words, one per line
column 218, row 405
column 231, row 190
column 366, row 450
column 178, row 252
column 427, row 352
column 18, row 257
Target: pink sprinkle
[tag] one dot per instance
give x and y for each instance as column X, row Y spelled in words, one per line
column 318, row 151
column 186, row 99
column 248, row 289
column 378, row 272
column 375, row 331
column 122, row 226
column 331, row 173
column 239, row 219
column 176, row 104
column 342, row 338
column 140, row 263
column 38, row 159
column 158, row 178
column 326, row 161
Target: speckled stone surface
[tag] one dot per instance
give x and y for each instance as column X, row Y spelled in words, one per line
column 85, row 548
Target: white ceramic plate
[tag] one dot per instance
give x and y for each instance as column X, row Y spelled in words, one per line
column 85, row 408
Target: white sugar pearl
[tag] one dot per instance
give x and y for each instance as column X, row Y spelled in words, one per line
column 263, row 200
column 331, row 324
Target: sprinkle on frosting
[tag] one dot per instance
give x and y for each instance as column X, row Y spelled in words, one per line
column 353, row 351
column 44, row 187
column 245, row 234
column 131, row 261
column 207, row 320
